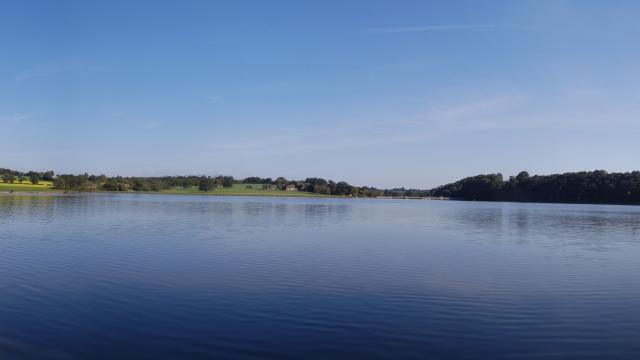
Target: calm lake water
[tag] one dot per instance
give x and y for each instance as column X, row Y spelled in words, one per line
column 190, row 277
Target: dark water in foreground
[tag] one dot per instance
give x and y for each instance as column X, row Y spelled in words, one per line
column 179, row 277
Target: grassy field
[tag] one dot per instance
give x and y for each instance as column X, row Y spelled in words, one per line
column 242, row 190
column 43, row 186
column 236, row 190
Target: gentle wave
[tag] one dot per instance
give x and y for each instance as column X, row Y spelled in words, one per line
column 162, row 277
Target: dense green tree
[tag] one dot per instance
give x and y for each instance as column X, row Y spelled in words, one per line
column 110, row 185
column 343, row 189
column 280, row 181
column 206, row 184
column 522, row 176
column 597, row 187
column 227, row 181
column 9, row 178
column 252, row 180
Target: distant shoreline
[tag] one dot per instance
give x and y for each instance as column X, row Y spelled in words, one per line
column 52, row 193
column 584, row 187
column 76, row 193
column 33, row 193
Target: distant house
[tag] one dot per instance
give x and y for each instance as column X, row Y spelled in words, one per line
column 269, row 187
column 290, row 187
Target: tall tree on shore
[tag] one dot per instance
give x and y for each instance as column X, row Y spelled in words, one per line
column 227, row 182
column 280, row 181
column 206, row 184
column 9, row 178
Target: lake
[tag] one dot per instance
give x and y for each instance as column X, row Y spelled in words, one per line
column 130, row 276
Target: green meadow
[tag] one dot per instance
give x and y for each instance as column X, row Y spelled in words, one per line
column 235, row 190
column 242, row 190
column 26, row 186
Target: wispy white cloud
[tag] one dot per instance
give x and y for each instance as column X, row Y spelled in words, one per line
column 13, row 119
column 147, row 124
column 41, row 70
column 520, row 112
column 452, row 27
column 485, row 114
column 214, row 98
column 55, row 67
column 492, row 112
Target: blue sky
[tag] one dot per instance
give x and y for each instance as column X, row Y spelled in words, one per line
column 382, row 93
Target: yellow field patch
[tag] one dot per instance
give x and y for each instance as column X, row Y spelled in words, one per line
column 26, row 186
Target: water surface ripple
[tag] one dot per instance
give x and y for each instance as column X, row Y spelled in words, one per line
column 189, row 277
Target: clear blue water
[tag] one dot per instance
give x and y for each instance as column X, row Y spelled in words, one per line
column 189, row 277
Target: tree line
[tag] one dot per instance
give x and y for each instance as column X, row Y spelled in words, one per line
column 9, row 176
column 89, row 183
column 598, row 187
column 594, row 187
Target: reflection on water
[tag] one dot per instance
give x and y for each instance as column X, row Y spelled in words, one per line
column 166, row 277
